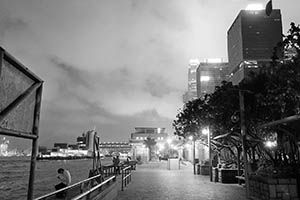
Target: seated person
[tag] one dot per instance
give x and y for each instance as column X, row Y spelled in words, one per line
column 64, row 177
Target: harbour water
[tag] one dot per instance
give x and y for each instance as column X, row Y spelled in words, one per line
column 14, row 175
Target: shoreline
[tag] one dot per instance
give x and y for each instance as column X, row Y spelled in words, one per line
column 64, row 158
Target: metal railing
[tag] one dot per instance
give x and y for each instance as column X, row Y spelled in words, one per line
column 85, row 187
column 126, row 176
column 108, row 170
column 78, row 188
column 88, row 194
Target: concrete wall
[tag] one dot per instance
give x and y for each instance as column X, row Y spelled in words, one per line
column 273, row 188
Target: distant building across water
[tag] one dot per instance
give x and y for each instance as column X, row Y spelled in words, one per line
column 83, row 147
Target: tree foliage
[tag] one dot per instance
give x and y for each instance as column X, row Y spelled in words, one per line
column 195, row 115
column 271, row 94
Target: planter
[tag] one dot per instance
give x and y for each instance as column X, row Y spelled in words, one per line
column 204, row 169
column 270, row 188
column 228, row 175
column 173, row 164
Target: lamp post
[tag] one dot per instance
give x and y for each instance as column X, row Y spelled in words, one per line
column 243, row 137
column 207, row 132
column 194, row 163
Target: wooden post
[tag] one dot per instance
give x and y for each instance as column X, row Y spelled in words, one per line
column 35, row 131
column 34, row 153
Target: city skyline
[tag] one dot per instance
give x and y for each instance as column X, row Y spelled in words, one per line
column 120, row 65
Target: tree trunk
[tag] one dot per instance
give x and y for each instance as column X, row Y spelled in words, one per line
column 149, row 153
column 239, row 161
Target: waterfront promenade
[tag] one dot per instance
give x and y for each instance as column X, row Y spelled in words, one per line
column 154, row 182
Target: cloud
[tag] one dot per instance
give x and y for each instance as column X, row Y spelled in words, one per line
column 157, row 86
column 9, row 25
column 121, row 64
column 75, row 75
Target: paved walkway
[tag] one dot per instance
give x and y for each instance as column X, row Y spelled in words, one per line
column 154, row 182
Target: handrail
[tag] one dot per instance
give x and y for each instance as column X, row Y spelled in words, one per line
column 126, row 168
column 107, row 172
column 67, row 188
column 126, row 176
column 94, row 188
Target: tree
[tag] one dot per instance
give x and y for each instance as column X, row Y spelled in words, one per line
column 277, row 94
column 195, row 115
column 271, row 94
column 150, row 143
column 214, row 111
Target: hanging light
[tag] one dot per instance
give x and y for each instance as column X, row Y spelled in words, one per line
column 269, row 8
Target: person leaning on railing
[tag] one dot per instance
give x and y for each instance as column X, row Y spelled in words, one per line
column 116, row 162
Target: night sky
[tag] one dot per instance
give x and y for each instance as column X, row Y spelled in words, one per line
column 116, row 64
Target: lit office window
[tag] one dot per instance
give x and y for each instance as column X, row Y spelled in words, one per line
column 204, row 78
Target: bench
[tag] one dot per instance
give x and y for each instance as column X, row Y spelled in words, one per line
column 240, row 179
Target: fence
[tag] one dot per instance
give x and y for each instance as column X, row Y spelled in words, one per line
column 126, row 176
column 91, row 187
column 95, row 191
column 81, row 189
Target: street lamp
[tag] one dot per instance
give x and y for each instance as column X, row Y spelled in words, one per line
column 194, row 163
column 243, row 136
column 169, row 141
column 207, row 132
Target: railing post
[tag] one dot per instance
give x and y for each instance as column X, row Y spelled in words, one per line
column 126, row 178
column 122, row 180
column 88, row 196
column 81, row 188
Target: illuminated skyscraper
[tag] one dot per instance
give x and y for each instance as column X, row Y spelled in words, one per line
column 192, row 81
column 209, row 75
column 204, row 76
column 251, row 40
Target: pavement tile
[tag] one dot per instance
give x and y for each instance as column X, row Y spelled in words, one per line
column 152, row 181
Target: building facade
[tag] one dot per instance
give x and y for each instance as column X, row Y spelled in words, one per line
column 209, row 75
column 204, row 76
column 251, row 40
column 192, row 81
column 137, row 141
column 109, row 148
